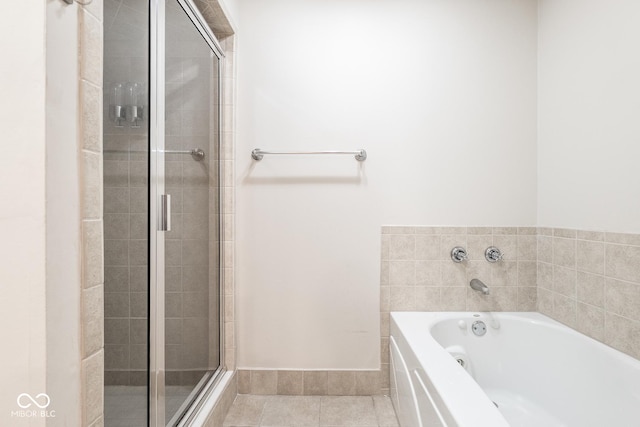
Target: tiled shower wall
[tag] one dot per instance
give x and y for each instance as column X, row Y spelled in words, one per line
column 125, row 202
column 590, row 281
column 417, row 273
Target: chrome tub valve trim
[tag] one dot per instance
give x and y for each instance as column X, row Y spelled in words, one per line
column 459, row 254
column 493, row 254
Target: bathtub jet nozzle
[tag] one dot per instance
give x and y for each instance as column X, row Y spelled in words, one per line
column 477, row 285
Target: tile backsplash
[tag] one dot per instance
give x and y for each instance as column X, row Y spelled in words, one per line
column 590, row 281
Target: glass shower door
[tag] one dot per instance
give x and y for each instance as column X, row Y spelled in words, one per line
column 188, row 180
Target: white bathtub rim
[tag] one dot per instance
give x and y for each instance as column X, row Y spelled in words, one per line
column 465, row 399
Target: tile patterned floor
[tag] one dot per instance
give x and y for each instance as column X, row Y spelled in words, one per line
column 307, row 411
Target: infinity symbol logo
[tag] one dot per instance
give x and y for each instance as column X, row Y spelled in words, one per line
column 34, row 401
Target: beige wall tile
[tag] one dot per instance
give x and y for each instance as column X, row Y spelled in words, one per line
column 385, row 298
column 90, row 47
column 341, row 383
column 92, row 261
column 384, row 246
column 450, row 241
column 527, row 273
column 264, row 382
column 315, row 383
column 454, row 274
column 427, row 247
column 590, row 321
column 527, row 298
column 368, row 382
column 622, row 334
column 290, row 383
column 590, row 289
column 505, row 231
column 402, row 273
column 91, row 116
column 545, row 275
column 402, row 298
column 244, row 381
column 427, row 298
column 384, row 273
column 545, row 301
column 475, row 270
column 91, row 185
column 424, row 230
column 402, row 247
column 596, row 236
column 590, row 256
column 545, row 249
column 477, row 244
column 564, row 232
column 479, row 230
column 622, row 298
column 504, row 273
column 92, row 387
column 92, row 320
column 545, row 231
column 564, row 281
column 564, row 309
column 527, row 230
column 623, row 262
column 453, row 299
column 623, row 238
column 564, row 252
column 527, row 247
column 508, row 245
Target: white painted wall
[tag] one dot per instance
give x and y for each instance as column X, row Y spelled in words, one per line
column 442, row 95
column 589, row 115
column 22, row 212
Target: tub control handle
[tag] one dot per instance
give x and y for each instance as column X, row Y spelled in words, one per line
column 493, row 254
column 459, row 254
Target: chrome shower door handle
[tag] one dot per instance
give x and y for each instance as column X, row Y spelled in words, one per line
column 165, row 212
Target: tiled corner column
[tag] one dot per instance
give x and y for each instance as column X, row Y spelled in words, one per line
column 417, row 273
column 590, row 281
column 90, row 23
column 227, row 156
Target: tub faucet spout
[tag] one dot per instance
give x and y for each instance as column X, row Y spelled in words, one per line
column 477, row 285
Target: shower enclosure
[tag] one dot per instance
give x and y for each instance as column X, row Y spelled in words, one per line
column 161, row 211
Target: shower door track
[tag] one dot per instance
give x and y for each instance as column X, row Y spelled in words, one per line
column 156, row 396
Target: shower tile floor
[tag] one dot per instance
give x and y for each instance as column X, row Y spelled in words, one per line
column 289, row 411
column 126, row 406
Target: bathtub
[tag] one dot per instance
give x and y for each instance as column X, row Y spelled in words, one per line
column 527, row 370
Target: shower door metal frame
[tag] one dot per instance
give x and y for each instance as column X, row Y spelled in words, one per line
column 156, row 404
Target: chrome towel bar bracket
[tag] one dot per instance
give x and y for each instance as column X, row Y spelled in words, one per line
column 258, row 154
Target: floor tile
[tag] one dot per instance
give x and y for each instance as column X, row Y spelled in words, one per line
column 347, row 411
column 246, row 411
column 385, row 412
column 291, row 411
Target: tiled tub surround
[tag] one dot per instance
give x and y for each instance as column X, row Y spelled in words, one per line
column 590, row 281
column 587, row 280
column 417, row 273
